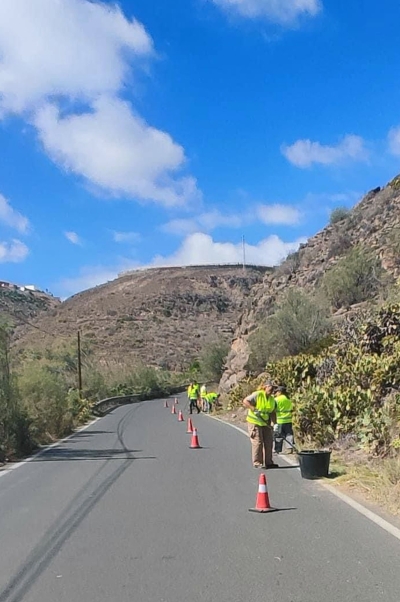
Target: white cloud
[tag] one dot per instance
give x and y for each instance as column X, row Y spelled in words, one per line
column 202, row 249
column 181, row 227
column 117, row 151
column 13, row 252
column 207, row 222
column 57, row 53
column 126, row 237
column 285, row 12
column 304, row 153
column 394, row 141
column 276, row 214
column 73, row 238
column 279, row 215
column 196, row 249
column 10, row 217
column 72, row 48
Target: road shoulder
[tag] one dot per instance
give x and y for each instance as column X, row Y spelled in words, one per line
column 372, row 512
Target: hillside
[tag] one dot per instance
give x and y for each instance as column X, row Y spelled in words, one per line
column 18, row 306
column 373, row 222
column 162, row 317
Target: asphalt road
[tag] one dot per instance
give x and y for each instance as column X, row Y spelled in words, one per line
column 126, row 512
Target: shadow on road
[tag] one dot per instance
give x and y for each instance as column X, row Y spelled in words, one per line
column 70, row 519
column 68, row 455
column 273, row 510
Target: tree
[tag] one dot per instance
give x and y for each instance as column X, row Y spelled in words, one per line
column 298, row 323
column 15, row 433
column 338, row 214
column 289, row 265
column 6, row 393
column 212, row 359
column 357, row 277
column 261, row 344
column 44, row 389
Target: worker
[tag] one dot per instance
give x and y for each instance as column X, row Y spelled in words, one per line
column 203, row 394
column 283, row 429
column 194, row 397
column 261, row 412
column 211, row 399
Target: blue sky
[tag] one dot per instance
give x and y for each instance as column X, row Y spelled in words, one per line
column 159, row 133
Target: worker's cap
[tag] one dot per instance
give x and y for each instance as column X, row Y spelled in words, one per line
column 280, row 389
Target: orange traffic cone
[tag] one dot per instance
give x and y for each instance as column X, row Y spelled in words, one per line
column 173, row 411
column 189, row 427
column 166, row 404
column 180, row 416
column 262, row 502
column 194, row 444
column 176, row 401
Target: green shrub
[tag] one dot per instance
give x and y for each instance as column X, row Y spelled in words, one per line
column 212, row 359
column 290, row 264
column 261, row 344
column 79, row 407
column 355, row 278
column 44, row 391
column 351, row 390
column 340, row 244
column 338, row 214
column 395, row 183
column 298, row 323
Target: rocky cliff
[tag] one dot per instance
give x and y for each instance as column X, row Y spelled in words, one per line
column 374, row 221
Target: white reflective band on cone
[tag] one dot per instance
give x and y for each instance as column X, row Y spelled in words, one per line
column 262, row 489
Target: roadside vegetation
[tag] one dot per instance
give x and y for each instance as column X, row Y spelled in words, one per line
column 39, row 397
column 339, row 214
column 342, row 370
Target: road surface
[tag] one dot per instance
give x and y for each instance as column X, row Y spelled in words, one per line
column 126, row 512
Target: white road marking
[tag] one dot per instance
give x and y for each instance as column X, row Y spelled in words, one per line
column 375, row 518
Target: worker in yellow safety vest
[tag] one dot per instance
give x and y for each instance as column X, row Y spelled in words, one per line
column 203, row 394
column 194, row 397
column 211, row 399
column 261, row 413
column 283, row 429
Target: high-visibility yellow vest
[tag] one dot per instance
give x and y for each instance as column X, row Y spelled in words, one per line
column 265, row 404
column 284, row 409
column 193, row 392
column 211, row 397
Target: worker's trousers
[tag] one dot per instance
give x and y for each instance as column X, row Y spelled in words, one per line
column 193, row 406
column 285, row 431
column 261, row 444
column 205, row 404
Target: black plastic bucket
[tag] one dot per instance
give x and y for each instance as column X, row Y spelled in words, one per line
column 314, row 464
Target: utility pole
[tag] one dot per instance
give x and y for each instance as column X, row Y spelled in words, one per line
column 79, row 364
column 244, row 254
